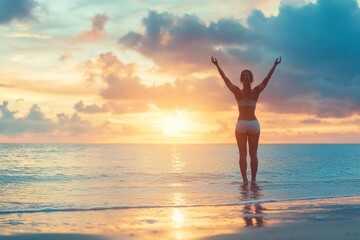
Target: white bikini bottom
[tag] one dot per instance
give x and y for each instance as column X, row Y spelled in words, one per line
column 249, row 127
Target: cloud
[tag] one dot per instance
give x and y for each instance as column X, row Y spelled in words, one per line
column 126, row 92
column 106, row 64
column 36, row 85
column 36, row 122
column 184, row 43
column 16, row 10
column 6, row 113
column 97, row 31
column 64, row 57
column 223, row 129
column 73, row 123
column 93, row 108
column 33, row 122
column 318, row 42
column 5, row 85
column 28, row 35
column 123, row 107
column 311, row 121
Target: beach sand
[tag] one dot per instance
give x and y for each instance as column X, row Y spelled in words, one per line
column 329, row 218
column 317, row 230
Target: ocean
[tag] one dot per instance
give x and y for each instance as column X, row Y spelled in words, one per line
column 85, row 177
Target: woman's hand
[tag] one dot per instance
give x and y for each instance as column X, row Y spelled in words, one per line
column 277, row 61
column 214, row 61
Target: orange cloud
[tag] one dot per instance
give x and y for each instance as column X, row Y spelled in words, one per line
column 97, row 31
column 127, row 92
column 93, row 108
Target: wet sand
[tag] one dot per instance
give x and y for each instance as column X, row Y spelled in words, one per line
column 332, row 218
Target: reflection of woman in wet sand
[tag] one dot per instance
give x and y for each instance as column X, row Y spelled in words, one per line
column 252, row 211
column 247, row 128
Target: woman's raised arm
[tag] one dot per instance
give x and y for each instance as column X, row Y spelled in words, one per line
column 259, row 88
column 234, row 89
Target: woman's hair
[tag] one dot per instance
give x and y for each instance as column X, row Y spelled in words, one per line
column 245, row 90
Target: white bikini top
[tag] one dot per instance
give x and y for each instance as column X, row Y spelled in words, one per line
column 246, row 103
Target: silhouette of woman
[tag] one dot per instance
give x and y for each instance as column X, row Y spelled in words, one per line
column 247, row 127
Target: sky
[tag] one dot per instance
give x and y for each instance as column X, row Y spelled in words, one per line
column 139, row 71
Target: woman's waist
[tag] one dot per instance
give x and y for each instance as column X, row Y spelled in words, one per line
column 247, row 117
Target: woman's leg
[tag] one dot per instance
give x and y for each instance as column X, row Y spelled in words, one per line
column 253, row 146
column 241, row 140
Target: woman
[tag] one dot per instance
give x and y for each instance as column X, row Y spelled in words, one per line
column 247, row 127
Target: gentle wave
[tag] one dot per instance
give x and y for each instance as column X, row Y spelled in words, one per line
column 120, row 207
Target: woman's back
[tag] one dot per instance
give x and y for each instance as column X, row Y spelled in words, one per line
column 247, row 106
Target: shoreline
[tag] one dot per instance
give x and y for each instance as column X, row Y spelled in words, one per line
column 126, row 207
column 249, row 221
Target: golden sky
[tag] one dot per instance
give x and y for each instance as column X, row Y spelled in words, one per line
column 134, row 71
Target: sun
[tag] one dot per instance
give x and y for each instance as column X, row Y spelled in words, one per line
column 173, row 125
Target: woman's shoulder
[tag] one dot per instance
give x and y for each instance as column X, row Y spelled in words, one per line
column 254, row 95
